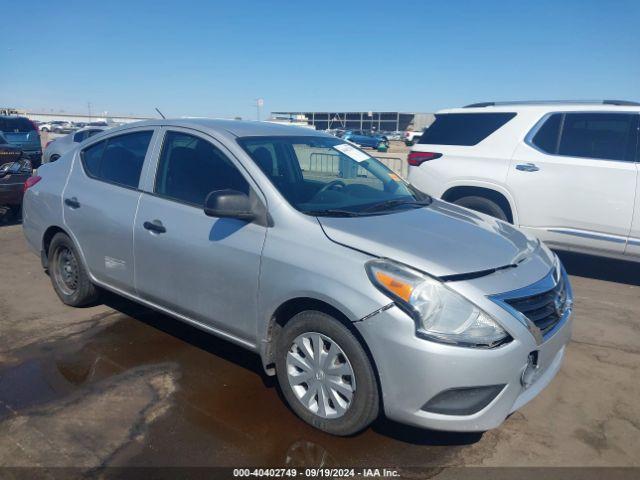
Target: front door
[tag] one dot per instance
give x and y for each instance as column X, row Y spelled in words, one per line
column 201, row 267
column 574, row 180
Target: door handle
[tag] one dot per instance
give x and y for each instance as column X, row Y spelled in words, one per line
column 155, row 226
column 527, row 167
column 72, row 202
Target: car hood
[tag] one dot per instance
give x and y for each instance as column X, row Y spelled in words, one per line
column 441, row 239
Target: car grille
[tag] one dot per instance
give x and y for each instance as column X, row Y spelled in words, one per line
column 545, row 309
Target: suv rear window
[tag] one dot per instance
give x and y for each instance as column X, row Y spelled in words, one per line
column 465, row 129
column 15, row 124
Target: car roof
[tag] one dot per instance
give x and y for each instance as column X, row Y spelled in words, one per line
column 237, row 128
column 547, row 106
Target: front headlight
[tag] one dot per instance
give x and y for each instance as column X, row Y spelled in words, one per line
column 440, row 313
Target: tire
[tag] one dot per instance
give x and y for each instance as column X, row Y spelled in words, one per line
column 342, row 415
column 68, row 275
column 483, row 205
column 53, row 158
column 44, row 130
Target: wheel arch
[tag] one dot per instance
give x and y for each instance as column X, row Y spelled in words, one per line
column 289, row 309
column 47, row 236
column 491, row 192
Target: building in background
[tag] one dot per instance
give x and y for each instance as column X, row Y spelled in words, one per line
column 380, row 121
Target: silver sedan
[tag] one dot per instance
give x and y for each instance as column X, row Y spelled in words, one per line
column 360, row 293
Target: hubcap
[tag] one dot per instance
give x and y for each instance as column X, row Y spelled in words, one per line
column 320, row 375
column 67, row 270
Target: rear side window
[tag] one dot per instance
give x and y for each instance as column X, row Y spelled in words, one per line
column 84, row 134
column 608, row 136
column 465, row 129
column 79, row 136
column 118, row 159
column 190, row 168
column 546, row 139
column 15, row 124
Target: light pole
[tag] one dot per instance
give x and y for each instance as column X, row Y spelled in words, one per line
column 259, row 104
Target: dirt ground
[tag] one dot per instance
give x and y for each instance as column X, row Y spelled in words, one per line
column 120, row 385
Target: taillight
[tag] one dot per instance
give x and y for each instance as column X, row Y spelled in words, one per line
column 416, row 159
column 48, row 143
column 31, row 181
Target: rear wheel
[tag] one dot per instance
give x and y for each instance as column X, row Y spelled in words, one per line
column 483, row 205
column 53, row 158
column 325, row 374
column 68, row 276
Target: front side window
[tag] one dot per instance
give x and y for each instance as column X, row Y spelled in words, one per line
column 608, row 136
column 190, row 168
column 118, row 159
column 464, row 129
column 326, row 176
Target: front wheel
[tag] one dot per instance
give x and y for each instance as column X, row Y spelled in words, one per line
column 325, row 374
column 69, row 278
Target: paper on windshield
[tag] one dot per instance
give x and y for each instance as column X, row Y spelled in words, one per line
column 351, row 152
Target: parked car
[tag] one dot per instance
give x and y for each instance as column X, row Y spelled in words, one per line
column 411, row 137
column 13, row 175
column 21, row 132
column 565, row 172
column 358, row 291
column 63, row 127
column 366, row 139
column 56, row 147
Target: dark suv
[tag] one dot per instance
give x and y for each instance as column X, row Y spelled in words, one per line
column 22, row 132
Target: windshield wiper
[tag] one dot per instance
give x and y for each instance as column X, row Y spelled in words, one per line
column 332, row 212
column 389, row 204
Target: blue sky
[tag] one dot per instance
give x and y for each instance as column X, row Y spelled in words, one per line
column 206, row 58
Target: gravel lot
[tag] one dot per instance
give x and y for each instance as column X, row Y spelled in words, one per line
column 122, row 385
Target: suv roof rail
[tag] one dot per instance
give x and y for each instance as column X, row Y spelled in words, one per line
column 626, row 103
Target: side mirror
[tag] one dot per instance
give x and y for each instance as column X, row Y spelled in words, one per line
column 228, row 204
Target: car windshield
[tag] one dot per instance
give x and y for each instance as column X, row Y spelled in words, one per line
column 325, row 176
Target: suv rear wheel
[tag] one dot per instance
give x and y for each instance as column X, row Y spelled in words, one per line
column 483, row 205
column 325, row 374
column 69, row 278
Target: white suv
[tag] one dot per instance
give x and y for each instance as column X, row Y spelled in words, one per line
column 565, row 171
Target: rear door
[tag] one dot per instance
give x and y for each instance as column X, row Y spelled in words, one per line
column 202, row 267
column 100, row 202
column 574, row 179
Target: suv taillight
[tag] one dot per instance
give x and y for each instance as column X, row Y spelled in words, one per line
column 31, row 181
column 415, row 159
